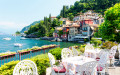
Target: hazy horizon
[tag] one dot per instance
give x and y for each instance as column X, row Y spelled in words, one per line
column 17, row 14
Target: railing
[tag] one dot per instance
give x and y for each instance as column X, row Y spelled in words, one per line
column 24, row 55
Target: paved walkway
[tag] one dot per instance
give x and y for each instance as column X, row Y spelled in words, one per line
column 111, row 71
column 114, row 70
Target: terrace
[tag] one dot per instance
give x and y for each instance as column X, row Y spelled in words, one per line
column 94, row 61
column 86, row 59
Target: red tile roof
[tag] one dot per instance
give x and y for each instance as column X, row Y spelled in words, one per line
column 94, row 25
column 53, row 17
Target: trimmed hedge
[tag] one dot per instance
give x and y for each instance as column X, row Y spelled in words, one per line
column 42, row 62
column 81, row 48
column 56, row 52
column 96, row 42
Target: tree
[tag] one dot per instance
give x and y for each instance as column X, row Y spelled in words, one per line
column 102, row 3
column 60, row 32
column 54, row 23
column 109, row 30
column 63, row 11
column 60, row 23
column 50, row 22
column 26, row 32
column 51, row 32
column 17, row 32
column 70, row 16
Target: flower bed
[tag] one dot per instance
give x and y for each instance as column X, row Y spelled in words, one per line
column 36, row 48
column 48, row 46
column 7, row 54
column 28, row 50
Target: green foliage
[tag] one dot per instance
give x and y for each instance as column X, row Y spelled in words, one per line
column 63, row 11
column 82, row 48
column 70, row 16
column 97, row 34
column 17, row 32
column 55, row 23
column 41, row 61
column 7, row 68
column 108, row 29
column 60, row 32
column 51, row 32
column 96, row 42
column 84, row 5
column 56, row 52
column 108, row 45
column 86, row 40
column 44, row 28
column 6, row 53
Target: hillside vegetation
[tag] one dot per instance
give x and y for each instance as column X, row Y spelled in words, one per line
column 46, row 27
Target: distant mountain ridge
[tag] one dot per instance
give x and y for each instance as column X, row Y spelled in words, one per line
column 27, row 27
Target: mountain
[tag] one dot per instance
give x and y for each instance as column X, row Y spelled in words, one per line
column 27, row 27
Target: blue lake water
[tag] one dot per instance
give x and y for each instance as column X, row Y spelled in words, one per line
column 6, row 45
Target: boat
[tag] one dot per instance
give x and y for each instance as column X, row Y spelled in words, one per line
column 6, row 38
column 23, row 38
column 17, row 44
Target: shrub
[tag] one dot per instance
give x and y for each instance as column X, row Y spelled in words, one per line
column 108, row 45
column 56, row 52
column 7, row 68
column 96, row 42
column 82, row 48
column 42, row 62
column 86, row 40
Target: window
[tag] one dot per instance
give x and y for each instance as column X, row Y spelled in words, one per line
column 84, row 33
column 85, row 29
column 64, row 22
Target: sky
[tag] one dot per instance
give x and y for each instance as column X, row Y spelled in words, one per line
column 16, row 14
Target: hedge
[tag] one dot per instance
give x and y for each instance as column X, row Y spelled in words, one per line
column 96, row 42
column 42, row 62
column 56, row 52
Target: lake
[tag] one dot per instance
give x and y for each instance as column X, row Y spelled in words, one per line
column 6, row 45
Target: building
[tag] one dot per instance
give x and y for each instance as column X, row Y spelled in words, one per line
column 84, row 30
column 96, row 17
column 57, row 29
column 65, row 32
column 82, row 27
column 53, row 17
column 73, row 31
column 63, row 19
